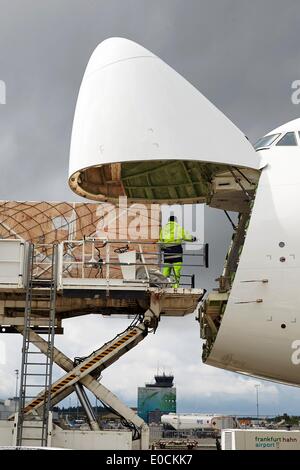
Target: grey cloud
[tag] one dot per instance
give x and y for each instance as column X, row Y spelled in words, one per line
column 242, row 55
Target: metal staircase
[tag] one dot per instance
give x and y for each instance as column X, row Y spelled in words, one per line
column 36, row 367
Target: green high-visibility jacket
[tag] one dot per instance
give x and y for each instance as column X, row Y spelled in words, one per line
column 172, row 232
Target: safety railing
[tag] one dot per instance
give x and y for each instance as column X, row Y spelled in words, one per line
column 115, row 262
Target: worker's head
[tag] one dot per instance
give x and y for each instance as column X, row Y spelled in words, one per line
column 172, row 218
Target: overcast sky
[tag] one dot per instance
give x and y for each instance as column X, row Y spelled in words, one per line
column 242, row 55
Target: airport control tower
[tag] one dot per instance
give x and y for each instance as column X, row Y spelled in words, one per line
column 156, row 399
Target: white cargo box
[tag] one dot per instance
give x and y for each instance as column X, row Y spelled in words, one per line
column 259, row 439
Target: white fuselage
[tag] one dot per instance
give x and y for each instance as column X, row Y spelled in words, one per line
column 260, row 331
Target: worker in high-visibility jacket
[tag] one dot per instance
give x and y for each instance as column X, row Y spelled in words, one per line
column 171, row 237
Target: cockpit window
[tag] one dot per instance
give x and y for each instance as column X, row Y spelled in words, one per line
column 288, row 139
column 266, row 141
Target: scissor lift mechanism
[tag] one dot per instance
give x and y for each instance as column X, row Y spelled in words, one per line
column 89, row 369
